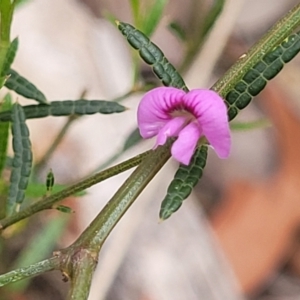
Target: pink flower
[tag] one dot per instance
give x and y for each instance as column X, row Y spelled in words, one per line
column 169, row 112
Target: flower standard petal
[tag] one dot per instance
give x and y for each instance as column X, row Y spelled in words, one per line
column 184, row 147
column 211, row 113
column 154, row 108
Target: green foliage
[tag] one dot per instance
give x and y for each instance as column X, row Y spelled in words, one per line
column 50, row 181
column 153, row 56
column 10, row 56
column 4, row 132
column 67, row 108
column 23, row 87
column 133, row 138
column 182, row 185
column 256, row 79
column 22, row 160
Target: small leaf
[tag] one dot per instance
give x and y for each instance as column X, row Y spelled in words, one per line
column 153, row 56
column 256, row 78
column 22, row 160
column 67, row 108
column 133, row 139
column 182, row 185
column 50, row 181
column 10, row 56
column 178, row 30
column 4, row 133
column 23, row 87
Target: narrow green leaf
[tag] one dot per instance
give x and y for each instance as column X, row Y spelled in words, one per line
column 178, row 30
column 256, row 79
column 133, row 139
column 4, row 133
column 182, row 185
column 152, row 17
column 153, row 56
column 10, row 56
column 23, row 87
column 22, row 160
column 67, row 108
column 212, row 16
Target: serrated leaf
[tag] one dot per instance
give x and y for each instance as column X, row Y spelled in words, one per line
column 22, row 160
column 67, row 108
column 153, row 56
column 182, row 185
column 10, row 56
column 23, row 87
column 4, row 132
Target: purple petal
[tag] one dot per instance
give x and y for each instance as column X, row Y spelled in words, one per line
column 184, row 147
column 154, row 108
column 171, row 128
column 211, row 113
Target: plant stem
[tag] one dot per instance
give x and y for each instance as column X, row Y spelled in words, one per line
column 272, row 38
column 95, row 235
column 47, row 203
column 32, row 270
column 83, row 266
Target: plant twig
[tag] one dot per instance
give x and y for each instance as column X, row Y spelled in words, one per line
column 83, row 266
column 282, row 29
column 30, row 271
column 48, row 202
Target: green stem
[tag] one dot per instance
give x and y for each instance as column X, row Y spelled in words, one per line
column 83, row 266
column 50, row 264
column 271, row 39
column 48, row 202
column 95, row 235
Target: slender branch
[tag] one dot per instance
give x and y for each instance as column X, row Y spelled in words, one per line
column 272, row 38
column 95, row 235
column 50, row 264
column 47, row 203
column 83, row 266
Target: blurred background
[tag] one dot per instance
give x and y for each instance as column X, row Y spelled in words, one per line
column 237, row 235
